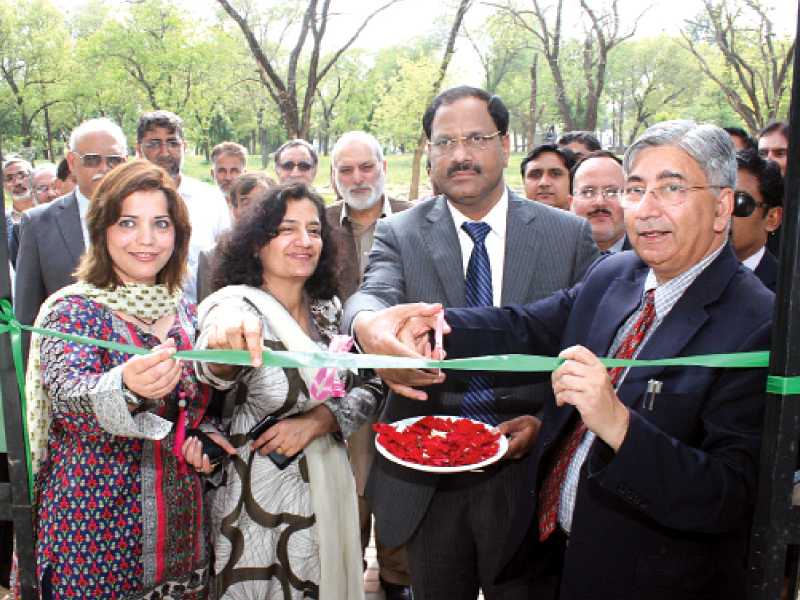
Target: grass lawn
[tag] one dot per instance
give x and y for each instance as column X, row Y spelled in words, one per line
column 398, row 174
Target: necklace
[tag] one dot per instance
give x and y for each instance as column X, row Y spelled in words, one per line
column 148, row 323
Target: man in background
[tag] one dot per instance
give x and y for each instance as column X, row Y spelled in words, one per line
column 757, row 212
column 580, row 142
column 296, row 160
column 244, row 191
column 228, row 161
column 160, row 139
column 545, row 174
column 53, row 237
column 597, row 186
column 359, row 176
column 773, row 143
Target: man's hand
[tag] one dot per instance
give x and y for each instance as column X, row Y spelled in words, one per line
column 401, row 331
column 521, row 433
column 236, row 332
column 584, row 382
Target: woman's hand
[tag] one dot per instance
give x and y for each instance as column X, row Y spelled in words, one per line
column 291, row 435
column 192, row 451
column 154, row 375
column 238, row 332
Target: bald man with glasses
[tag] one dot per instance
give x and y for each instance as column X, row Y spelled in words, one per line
column 53, row 237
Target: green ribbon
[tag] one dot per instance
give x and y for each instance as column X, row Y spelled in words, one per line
column 501, row 363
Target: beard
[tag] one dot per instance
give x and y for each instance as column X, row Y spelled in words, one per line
column 171, row 165
column 362, row 202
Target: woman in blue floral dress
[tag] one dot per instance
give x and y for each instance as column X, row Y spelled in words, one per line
column 119, row 513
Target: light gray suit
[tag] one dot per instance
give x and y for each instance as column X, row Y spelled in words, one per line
column 50, row 249
column 416, row 257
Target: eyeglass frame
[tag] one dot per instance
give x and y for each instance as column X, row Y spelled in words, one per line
column 41, row 189
column 658, row 193
column 172, row 145
column 102, row 157
column 615, row 194
column 290, row 165
column 21, row 176
column 471, row 142
column 750, row 205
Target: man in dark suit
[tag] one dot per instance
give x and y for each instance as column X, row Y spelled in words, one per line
column 359, row 177
column 757, row 212
column 53, row 237
column 597, row 183
column 642, row 482
column 454, row 526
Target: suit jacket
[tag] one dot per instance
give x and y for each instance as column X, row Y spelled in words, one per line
column 205, row 261
column 667, row 515
column 416, row 257
column 50, row 249
column 767, row 270
column 349, row 275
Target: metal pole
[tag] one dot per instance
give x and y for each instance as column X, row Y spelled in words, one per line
column 776, row 524
column 15, row 503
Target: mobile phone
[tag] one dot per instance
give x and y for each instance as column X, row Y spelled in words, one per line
column 279, row 460
column 216, row 454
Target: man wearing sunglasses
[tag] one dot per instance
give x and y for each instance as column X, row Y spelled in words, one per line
column 757, row 212
column 160, row 139
column 296, row 160
column 53, row 237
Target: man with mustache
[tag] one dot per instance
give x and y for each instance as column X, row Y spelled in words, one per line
column 296, row 160
column 454, row 526
column 228, row 161
column 642, row 481
column 160, row 139
column 545, row 173
column 17, row 186
column 53, row 237
column 359, row 177
column 597, row 185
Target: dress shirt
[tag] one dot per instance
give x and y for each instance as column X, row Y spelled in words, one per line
column 83, row 210
column 363, row 237
column 752, row 262
column 617, row 246
column 497, row 219
column 209, row 216
column 666, row 296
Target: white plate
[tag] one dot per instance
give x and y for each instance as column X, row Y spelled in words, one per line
column 502, row 443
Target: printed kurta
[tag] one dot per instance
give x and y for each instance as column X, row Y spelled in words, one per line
column 119, row 517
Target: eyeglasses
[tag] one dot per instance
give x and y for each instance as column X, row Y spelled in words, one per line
column 92, row 161
column 289, row 165
column 447, row 145
column 156, row 145
column 21, row 176
column 43, row 189
column 588, row 194
column 744, row 204
column 671, row 194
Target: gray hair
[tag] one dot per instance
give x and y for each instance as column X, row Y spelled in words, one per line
column 709, row 145
column 16, row 159
column 41, row 169
column 293, row 143
column 357, row 136
column 93, row 125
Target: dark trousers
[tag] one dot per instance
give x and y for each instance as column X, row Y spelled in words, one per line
column 454, row 552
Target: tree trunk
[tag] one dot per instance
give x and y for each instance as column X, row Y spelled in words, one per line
column 51, row 155
column 463, row 7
